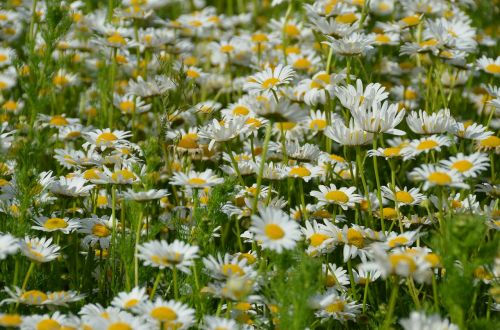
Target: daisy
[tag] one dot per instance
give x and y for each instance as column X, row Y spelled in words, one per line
column 97, row 230
column 56, row 121
column 269, row 80
column 115, row 319
column 433, row 175
column 195, row 179
column 425, row 145
column 404, row 263
column 379, row 118
column 468, row 165
column 350, row 45
column 420, row 321
column 395, row 240
column 222, row 267
column 8, row 245
column 141, row 196
column 473, row 131
column 153, row 86
column 351, row 135
column 226, row 131
column 107, row 138
column 335, row 277
column 54, row 321
column 354, row 97
column 335, row 306
column 129, row 105
column 274, row 229
column 219, row 323
column 437, row 122
column 130, row 300
column 354, row 239
column 489, row 65
column 403, row 196
column 344, row 197
column 63, row 79
column 10, row 320
column 305, row 172
column 71, row 187
column 7, row 55
column 52, row 224
column 169, row 314
column 490, row 143
column 162, row 255
column 316, row 121
column 320, row 238
column 39, row 249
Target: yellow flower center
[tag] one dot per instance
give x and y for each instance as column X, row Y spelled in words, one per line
column 404, row 197
column 123, row 175
column 60, row 80
column 429, row 43
column 270, row 82
column 335, row 307
column 317, row 239
column 493, row 68
column 433, row 259
column 382, row 38
column 490, row 142
column 227, row 48
column 196, row 181
column 292, row 30
column 232, row 269
column 337, row 196
column 240, row 110
column 318, row 124
column 348, row 18
column 391, row 152
column 131, row 303
column 456, row 204
column 427, row 144
column 259, row 37
column 411, row 20
column 397, row 241
column 462, row 165
column 48, row 324
column 127, row 106
column 9, row 105
column 34, row 296
column 164, row 314
column 355, row 238
column 100, row 230
column 55, row 223
column 58, row 121
column 286, row 125
column 116, row 38
column 302, row 63
column 91, row 174
column 106, row 137
column 192, row 74
column 188, row 141
column 410, row 95
column 439, row 178
column 119, row 326
column 273, row 231
column 399, row 258
column 10, row 320
column 300, row 171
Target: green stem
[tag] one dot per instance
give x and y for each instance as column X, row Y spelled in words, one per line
column 392, row 304
column 261, row 168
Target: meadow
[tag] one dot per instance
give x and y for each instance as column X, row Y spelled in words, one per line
column 249, row 164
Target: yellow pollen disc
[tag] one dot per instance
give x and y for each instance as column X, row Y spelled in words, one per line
column 439, row 178
column 123, row 174
column 58, row 121
column 286, row 125
column 196, row 181
column 10, row 320
column 433, row 259
column 429, row 43
column 240, row 110
column 404, row 197
column 410, row 95
column 392, row 152
column 317, row 238
column 318, row 124
column 335, row 307
column 456, row 204
column 411, row 20
column 227, row 48
column 384, row 6
column 164, row 314
column 127, row 106
column 300, row 171
column 259, row 37
column 9, row 105
column 91, row 174
column 60, row 80
column 397, row 259
column 355, row 238
column 116, row 38
column 337, row 196
column 243, row 306
column 273, row 231
column 48, row 324
column 427, row 144
column 462, row 165
column 232, row 269
column 192, row 74
column 3, row 85
column 119, row 326
column 34, row 296
column 250, row 258
column 382, row 38
column 100, row 230
column 337, row 158
column 292, row 30
column 330, row 280
column 131, row 303
column 348, row 18
column 55, row 223
column 270, row 82
column 106, row 137
column 398, row 241
column 302, row 63
column 493, row 68
column 490, row 142
column 188, row 142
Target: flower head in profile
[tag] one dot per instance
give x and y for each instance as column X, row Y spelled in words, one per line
column 162, row 254
column 270, row 80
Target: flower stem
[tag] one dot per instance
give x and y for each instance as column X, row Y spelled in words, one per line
column 392, row 304
column 261, row 168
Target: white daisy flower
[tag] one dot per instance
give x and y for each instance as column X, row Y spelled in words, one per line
column 54, row 223
column 438, row 176
column 39, row 249
column 8, row 245
column 344, row 197
column 468, row 165
column 162, row 255
column 168, row 314
column 403, row 196
column 270, row 80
